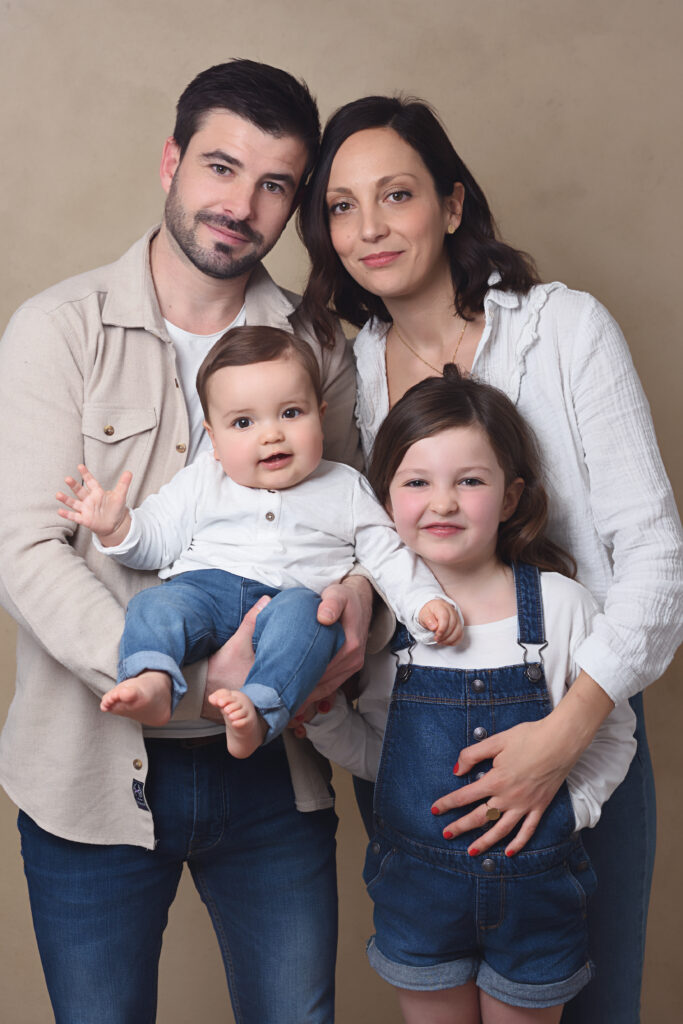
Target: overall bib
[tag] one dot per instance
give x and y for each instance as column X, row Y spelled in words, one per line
column 515, row 924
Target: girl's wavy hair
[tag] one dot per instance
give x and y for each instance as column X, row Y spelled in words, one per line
column 441, row 403
column 475, row 250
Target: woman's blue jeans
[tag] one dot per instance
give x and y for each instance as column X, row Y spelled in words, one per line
column 265, row 871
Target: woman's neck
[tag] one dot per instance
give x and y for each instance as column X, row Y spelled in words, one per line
column 484, row 593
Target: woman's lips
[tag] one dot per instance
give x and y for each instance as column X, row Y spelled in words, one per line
column 380, row 259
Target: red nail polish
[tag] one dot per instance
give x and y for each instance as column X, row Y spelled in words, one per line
column 455, row 769
column 473, row 853
column 447, row 834
column 435, row 810
column 509, row 853
column 323, row 706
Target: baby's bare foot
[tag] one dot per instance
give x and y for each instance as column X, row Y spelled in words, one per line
column 145, row 698
column 245, row 730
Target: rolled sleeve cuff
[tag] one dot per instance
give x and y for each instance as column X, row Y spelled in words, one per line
column 611, row 674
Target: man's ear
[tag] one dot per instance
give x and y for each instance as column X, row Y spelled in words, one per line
column 513, row 492
column 170, row 160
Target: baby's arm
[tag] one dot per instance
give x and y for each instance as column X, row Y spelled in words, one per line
column 444, row 620
column 104, row 512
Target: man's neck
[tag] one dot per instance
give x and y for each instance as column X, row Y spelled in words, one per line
column 189, row 298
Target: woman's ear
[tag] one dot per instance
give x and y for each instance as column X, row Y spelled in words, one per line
column 454, row 203
column 513, row 492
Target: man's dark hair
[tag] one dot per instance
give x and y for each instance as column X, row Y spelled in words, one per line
column 268, row 97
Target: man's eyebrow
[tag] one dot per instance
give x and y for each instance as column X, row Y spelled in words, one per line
column 219, row 154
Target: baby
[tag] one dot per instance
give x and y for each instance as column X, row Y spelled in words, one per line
column 266, row 514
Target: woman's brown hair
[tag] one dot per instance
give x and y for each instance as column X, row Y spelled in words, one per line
column 454, row 400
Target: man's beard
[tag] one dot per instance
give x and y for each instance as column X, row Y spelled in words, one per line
column 218, row 261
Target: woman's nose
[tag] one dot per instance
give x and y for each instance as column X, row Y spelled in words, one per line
column 373, row 225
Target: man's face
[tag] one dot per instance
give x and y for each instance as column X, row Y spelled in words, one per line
column 232, row 193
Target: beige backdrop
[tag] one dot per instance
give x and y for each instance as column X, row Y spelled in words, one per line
column 569, row 114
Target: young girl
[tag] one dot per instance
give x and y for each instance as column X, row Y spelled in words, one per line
column 467, row 928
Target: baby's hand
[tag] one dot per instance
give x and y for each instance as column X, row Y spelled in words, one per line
column 444, row 621
column 103, row 512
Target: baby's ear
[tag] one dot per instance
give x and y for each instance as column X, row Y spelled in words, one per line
column 207, row 428
column 323, row 409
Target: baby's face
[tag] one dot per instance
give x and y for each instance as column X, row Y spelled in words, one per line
column 265, row 423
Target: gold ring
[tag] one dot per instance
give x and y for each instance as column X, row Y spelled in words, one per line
column 492, row 813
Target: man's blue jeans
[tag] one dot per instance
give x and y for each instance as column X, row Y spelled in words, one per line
column 191, row 615
column 265, row 871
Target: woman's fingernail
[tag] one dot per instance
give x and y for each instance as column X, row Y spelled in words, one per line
column 299, row 718
column 509, row 853
column 473, row 852
column 447, row 834
column 455, row 769
column 435, row 810
column 323, row 706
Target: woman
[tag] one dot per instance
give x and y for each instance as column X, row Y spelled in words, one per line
column 403, row 245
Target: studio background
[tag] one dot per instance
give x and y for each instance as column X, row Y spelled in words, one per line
column 569, row 115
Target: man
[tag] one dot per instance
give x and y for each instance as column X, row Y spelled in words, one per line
column 100, row 369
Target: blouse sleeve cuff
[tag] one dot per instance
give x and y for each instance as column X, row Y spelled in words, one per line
column 607, row 669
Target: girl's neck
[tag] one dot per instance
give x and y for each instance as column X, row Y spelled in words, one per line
column 484, row 593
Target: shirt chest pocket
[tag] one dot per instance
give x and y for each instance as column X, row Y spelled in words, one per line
column 115, row 438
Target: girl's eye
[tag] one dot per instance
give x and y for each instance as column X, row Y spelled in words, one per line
column 291, row 413
column 241, row 423
column 470, row 481
column 416, row 483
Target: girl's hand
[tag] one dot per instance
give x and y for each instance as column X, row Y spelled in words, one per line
column 443, row 620
column 530, row 763
column 103, row 512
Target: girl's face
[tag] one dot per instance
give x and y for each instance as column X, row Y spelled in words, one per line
column 449, row 496
column 387, row 222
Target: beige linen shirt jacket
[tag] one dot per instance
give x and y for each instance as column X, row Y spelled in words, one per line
column 88, row 374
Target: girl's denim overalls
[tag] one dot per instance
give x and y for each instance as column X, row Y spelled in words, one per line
column 516, row 924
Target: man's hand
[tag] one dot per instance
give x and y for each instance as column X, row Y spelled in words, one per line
column 350, row 602
column 229, row 666
column 443, row 620
column 104, row 512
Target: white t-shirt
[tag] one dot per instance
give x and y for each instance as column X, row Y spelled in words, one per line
column 353, row 736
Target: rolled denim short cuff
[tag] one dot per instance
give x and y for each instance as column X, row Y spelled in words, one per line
column 154, row 661
column 516, row 993
column 430, row 978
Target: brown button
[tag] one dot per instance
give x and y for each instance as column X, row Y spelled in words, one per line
column 137, row 764
column 181, row 447
column 270, row 516
column 109, row 430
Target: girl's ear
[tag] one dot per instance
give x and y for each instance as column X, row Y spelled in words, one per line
column 513, row 492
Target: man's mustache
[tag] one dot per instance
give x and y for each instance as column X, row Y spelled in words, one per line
column 239, row 227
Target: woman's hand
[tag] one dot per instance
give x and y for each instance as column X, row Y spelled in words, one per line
column 351, row 603
column 530, row 763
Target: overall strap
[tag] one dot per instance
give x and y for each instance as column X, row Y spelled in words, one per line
column 530, row 625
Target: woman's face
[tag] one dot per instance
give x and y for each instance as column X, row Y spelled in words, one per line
column 387, row 222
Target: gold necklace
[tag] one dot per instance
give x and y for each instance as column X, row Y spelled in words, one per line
column 421, row 358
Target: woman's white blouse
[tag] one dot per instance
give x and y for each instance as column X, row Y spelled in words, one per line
column 562, row 359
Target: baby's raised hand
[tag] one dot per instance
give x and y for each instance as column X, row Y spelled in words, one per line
column 104, row 512
column 443, row 619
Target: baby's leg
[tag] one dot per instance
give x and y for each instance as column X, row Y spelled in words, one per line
column 145, row 697
column 459, row 1005
column 495, row 1012
column 245, row 730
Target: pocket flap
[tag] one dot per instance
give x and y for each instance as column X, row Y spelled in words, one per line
column 112, row 423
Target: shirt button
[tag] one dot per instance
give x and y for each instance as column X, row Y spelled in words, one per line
column 480, row 733
column 181, row 447
column 137, row 764
column 488, row 865
column 109, row 430
column 478, row 685
column 270, row 516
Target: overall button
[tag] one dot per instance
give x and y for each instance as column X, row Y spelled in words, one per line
column 375, row 848
column 270, row 516
column 488, row 865
column 480, row 733
column 478, row 685
column 479, row 775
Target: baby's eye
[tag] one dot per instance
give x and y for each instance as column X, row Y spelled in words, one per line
column 291, row 413
column 242, row 422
